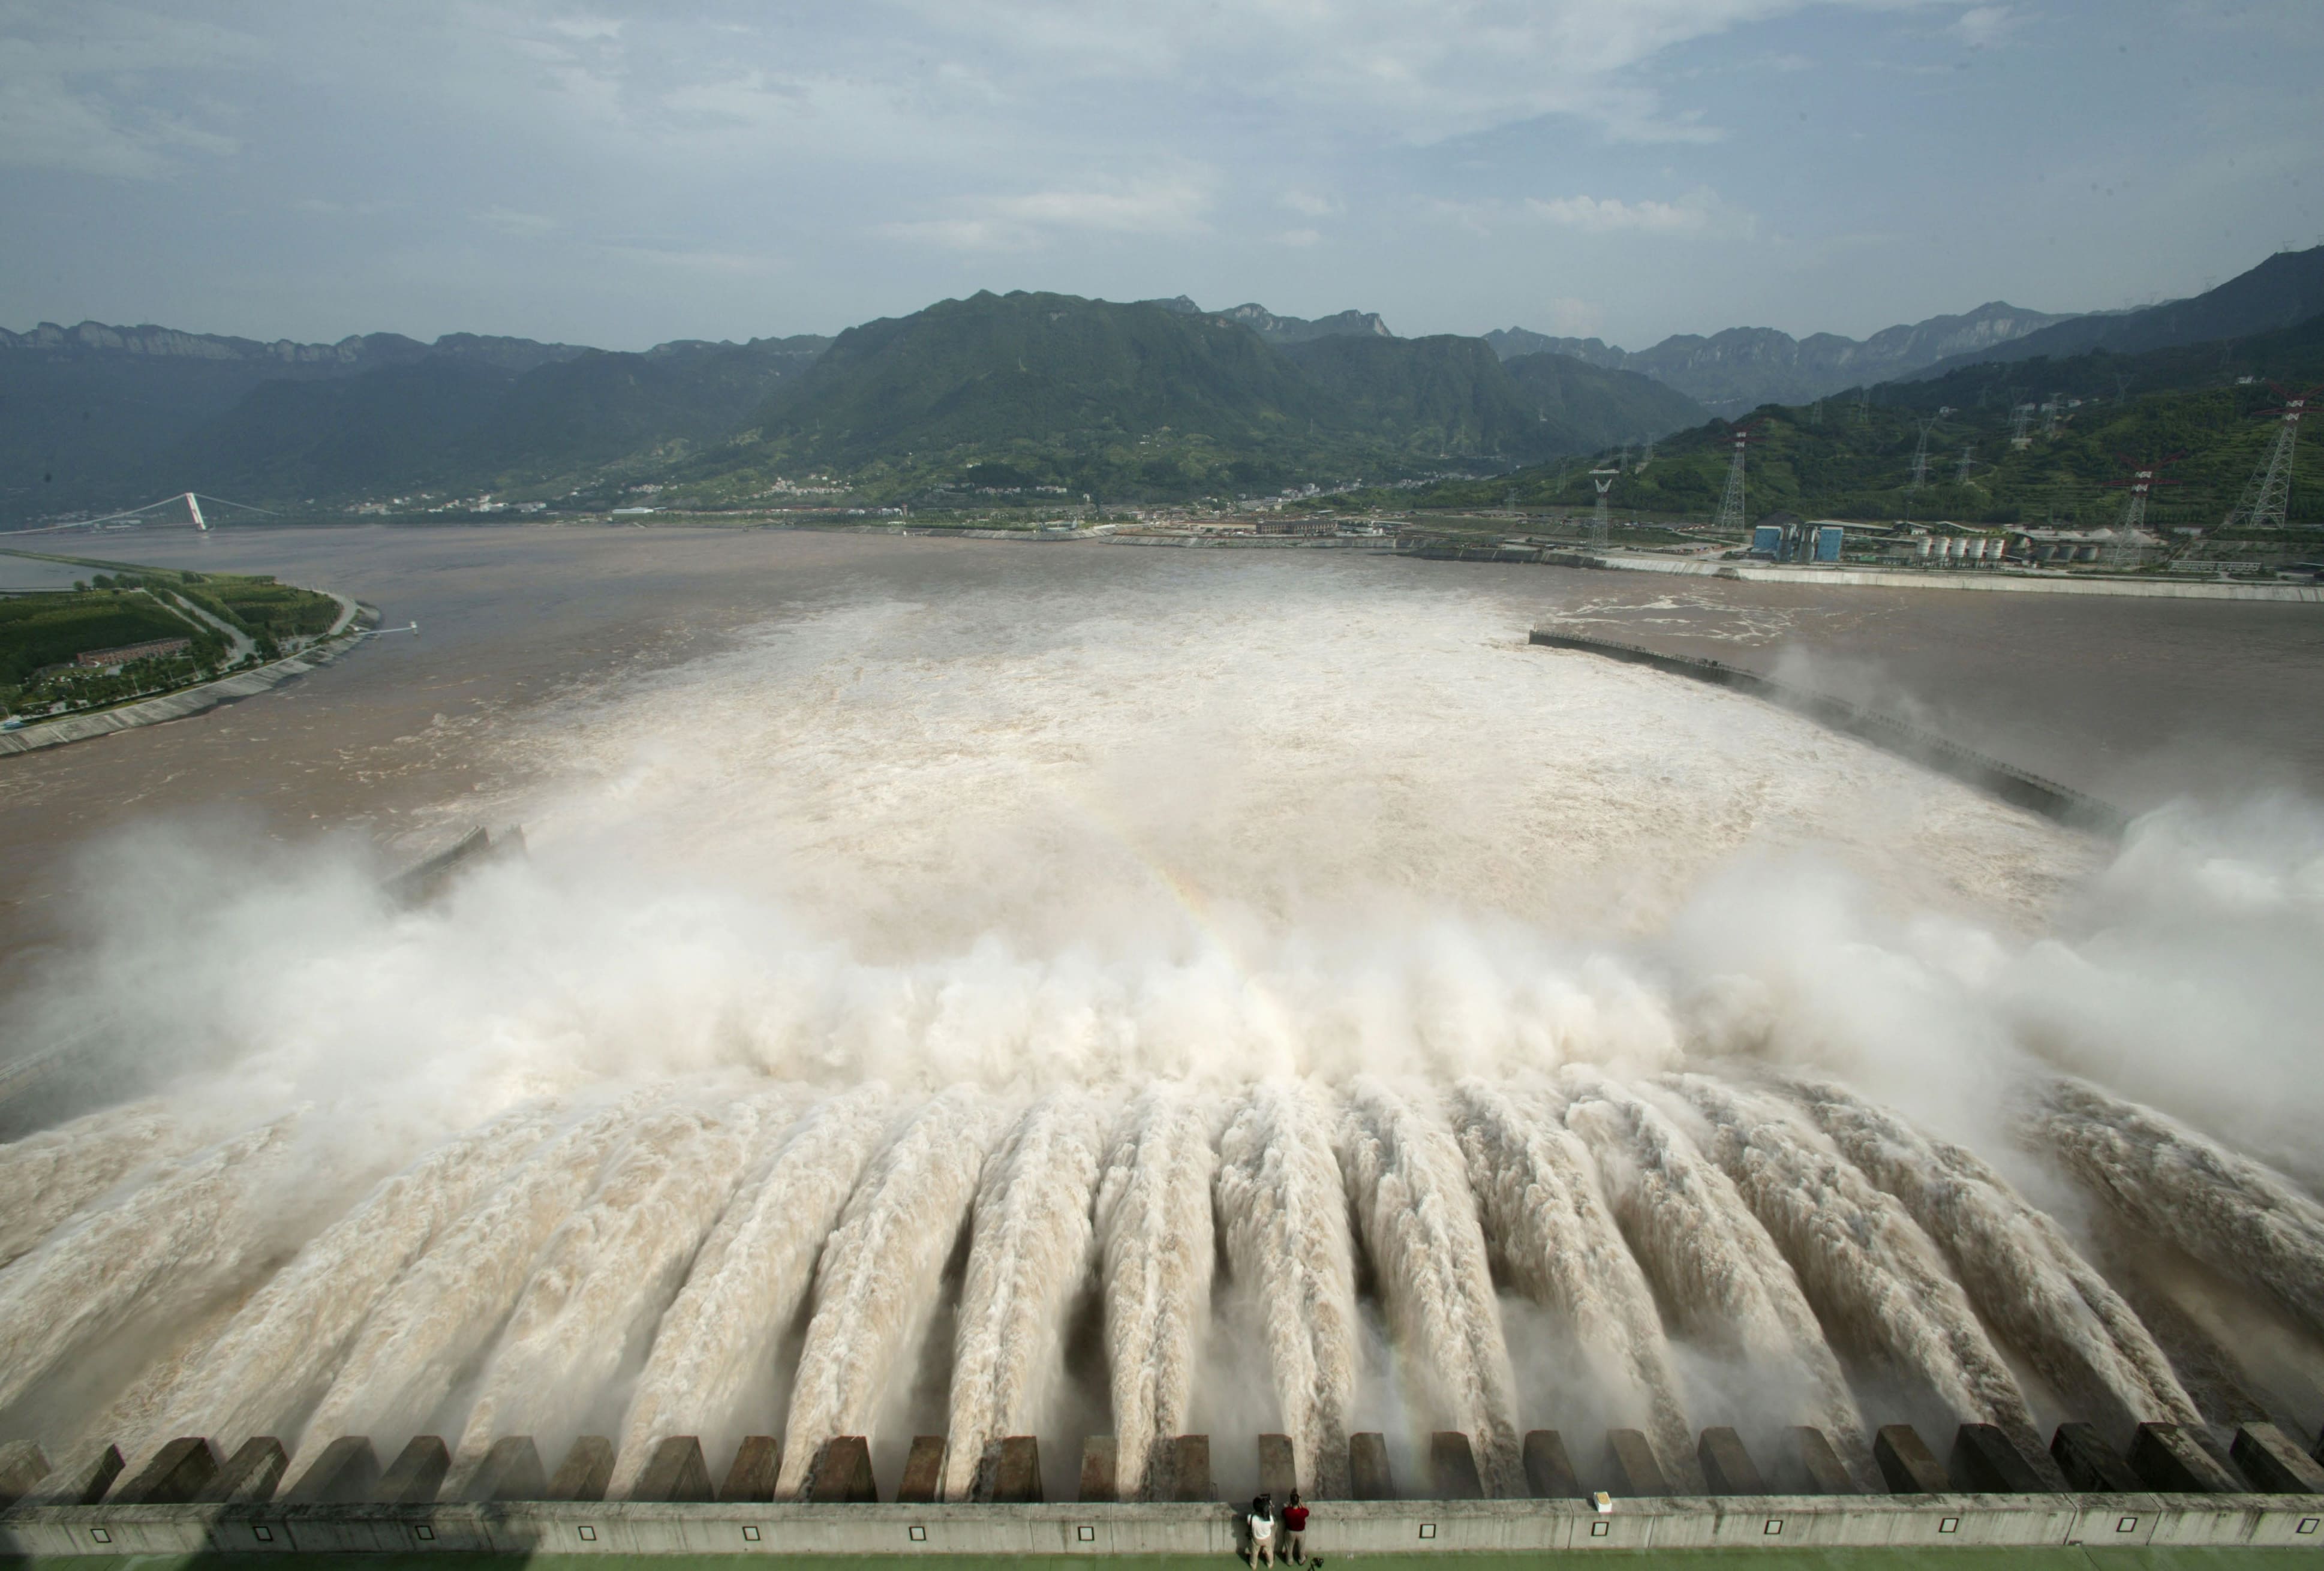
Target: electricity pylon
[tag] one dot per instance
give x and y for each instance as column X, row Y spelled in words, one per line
column 2266, row 501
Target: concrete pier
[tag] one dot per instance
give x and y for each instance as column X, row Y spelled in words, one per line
column 2274, row 1466
column 2090, row 1463
column 417, row 1474
column 586, row 1472
column 1010, row 1471
column 1190, row 1470
column 1278, row 1466
column 1906, row 1464
column 346, row 1471
column 177, row 1474
column 1631, row 1460
column 923, row 1471
column 1099, row 1456
column 511, row 1470
column 1453, row 1466
column 757, row 1460
column 252, row 1473
column 1549, row 1471
column 840, row 1473
column 1368, row 1474
column 1814, row 1465
column 81, row 1480
column 2165, row 1457
column 1984, row 1461
column 676, row 1472
column 1727, row 1466
column 23, row 1465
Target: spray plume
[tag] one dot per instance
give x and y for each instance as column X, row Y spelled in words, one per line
column 1286, row 1220
column 612, row 1268
column 433, row 1325
column 876, row 1289
column 1708, row 1256
column 272, row 1361
column 1865, row 1262
column 1409, row 1188
column 2016, row 1264
column 1028, row 1254
column 47, row 1178
column 714, row 1355
column 1546, row 1221
column 2224, row 1209
column 1157, row 1239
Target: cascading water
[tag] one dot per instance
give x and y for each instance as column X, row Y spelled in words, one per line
column 1033, row 1010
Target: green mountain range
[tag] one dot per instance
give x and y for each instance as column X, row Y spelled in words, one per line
column 2081, row 418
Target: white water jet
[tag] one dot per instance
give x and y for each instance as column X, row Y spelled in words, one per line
column 612, row 1268
column 876, row 1287
column 1709, row 1257
column 1285, row 1214
column 1408, row 1186
column 184, row 1237
column 430, row 1326
column 1028, row 1255
column 2016, row 1264
column 1547, row 1222
column 2225, row 1211
column 1158, row 1240
column 280, row 1352
column 1865, row 1263
column 712, row 1368
column 46, row 1177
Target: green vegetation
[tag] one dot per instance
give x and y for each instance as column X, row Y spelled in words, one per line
column 123, row 605
column 1026, row 395
column 1851, row 456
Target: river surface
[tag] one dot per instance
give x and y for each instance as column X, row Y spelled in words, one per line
column 412, row 740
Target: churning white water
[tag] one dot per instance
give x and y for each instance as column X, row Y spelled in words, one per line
column 1273, row 991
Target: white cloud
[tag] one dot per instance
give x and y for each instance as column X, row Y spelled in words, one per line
column 1985, row 26
column 58, row 112
column 1608, row 215
column 1572, row 319
column 1308, row 204
column 1299, row 238
column 523, row 225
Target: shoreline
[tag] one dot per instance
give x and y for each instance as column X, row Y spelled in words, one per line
column 199, row 699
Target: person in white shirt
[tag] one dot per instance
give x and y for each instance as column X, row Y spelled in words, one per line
column 1262, row 1532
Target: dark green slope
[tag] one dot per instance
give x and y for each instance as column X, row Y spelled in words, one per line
column 1843, row 459
column 402, row 428
column 2285, row 289
column 994, row 369
column 1584, row 408
column 1440, row 396
column 1021, row 391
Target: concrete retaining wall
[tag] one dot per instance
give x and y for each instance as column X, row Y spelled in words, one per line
column 2047, row 798
column 1767, row 1522
column 2001, row 582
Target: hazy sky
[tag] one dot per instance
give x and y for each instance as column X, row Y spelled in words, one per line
column 620, row 175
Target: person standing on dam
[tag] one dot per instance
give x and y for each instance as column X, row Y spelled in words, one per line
column 1262, row 1531
column 1295, row 1531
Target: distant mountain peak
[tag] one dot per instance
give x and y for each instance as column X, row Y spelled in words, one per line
column 1741, row 368
column 1278, row 329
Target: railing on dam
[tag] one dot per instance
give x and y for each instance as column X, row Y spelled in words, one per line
column 2175, row 1486
column 2018, row 786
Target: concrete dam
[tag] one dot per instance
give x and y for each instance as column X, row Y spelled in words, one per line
column 731, row 1295
column 1021, row 1069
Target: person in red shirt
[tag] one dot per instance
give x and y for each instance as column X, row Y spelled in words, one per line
column 1295, row 1531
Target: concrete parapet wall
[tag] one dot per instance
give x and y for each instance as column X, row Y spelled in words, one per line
column 1339, row 1527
